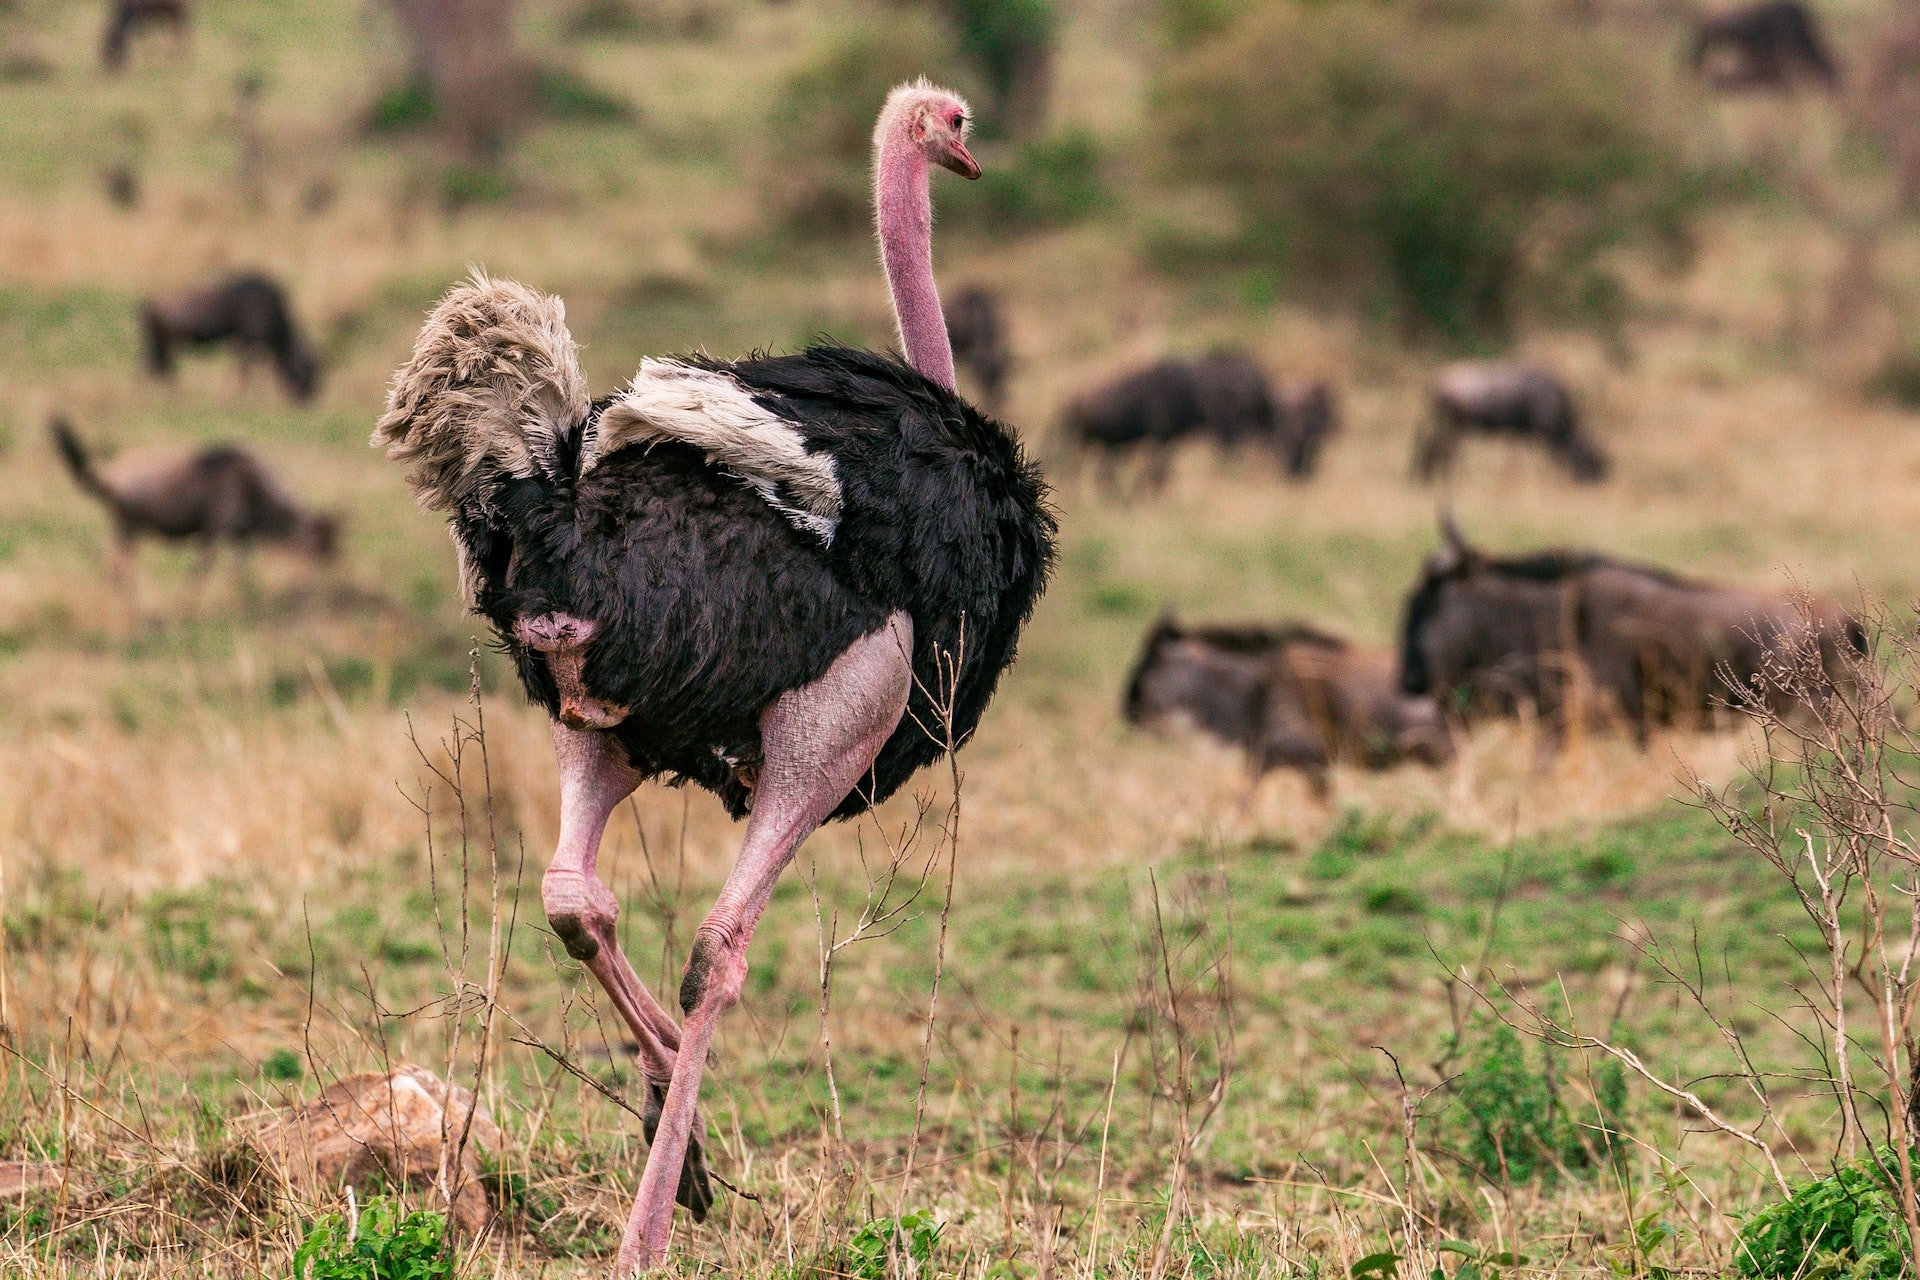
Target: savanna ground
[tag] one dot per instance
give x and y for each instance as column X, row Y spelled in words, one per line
column 1156, row 986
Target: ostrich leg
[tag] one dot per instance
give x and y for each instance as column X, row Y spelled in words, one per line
column 816, row 742
column 594, row 778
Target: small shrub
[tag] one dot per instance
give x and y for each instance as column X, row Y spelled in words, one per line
column 913, row 1236
column 561, row 94
column 403, row 107
column 465, row 185
column 1516, row 1122
column 282, row 1064
column 385, row 1244
column 1455, row 168
column 1847, row 1224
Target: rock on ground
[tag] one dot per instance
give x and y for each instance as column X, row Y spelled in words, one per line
column 405, row 1125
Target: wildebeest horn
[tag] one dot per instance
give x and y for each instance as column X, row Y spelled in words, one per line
column 1450, row 531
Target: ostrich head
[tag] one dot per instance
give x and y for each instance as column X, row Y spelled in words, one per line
column 934, row 121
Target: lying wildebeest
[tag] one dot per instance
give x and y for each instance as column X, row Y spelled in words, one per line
column 1290, row 695
column 1505, row 398
column 124, row 17
column 1770, row 44
column 1225, row 396
column 979, row 336
column 1578, row 635
column 247, row 310
column 213, row 495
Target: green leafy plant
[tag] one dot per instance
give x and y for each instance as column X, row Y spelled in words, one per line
column 1845, row 1226
column 385, row 1243
column 282, row 1064
column 1475, row 1263
column 913, row 1237
column 1515, row 1121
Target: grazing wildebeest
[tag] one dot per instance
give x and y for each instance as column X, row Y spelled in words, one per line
column 124, row 17
column 213, row 495
column 1290, row 695
column 1141, row 412
column 1225, row 396
column 979, row 335
column 247, row 310
column 1770, row 44
column 1505, row 398
column 1580, row 635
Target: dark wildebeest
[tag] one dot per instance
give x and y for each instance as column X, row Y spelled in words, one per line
column 979, row 337
column 1578, row 636
column 249, row 311
column 217, row 494
column 1290, row 695
column 1224, row 396
column 1143, row 412
column 1770, row 44
column 1504, row 398
column 125, row 17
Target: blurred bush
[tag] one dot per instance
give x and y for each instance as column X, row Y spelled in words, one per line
column 1516, row 1120
column 822, row 130
column 1453, row 165
column 1045, row 183
column 1010, row 43
column 818, row 174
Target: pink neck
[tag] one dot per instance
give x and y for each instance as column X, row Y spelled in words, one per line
column 903, row 212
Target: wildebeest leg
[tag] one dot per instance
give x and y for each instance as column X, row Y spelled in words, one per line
column 594, row 778
column 1290, row 748
column 1158, row 463
column 120, row 576
column 206, row 555
column 1434, row 452
column 817, row 742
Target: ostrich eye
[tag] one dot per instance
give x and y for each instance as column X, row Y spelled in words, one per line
column 959, row 121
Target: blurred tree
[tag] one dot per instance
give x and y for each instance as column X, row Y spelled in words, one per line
column 1010, row 43
column 1458, row 166
column 462, row 57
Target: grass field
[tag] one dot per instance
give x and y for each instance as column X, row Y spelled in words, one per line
column 220, row 889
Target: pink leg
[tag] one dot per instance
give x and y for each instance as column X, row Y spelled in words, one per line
column 594, row 779
column 817, row 742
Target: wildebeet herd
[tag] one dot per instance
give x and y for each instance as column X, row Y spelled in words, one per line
column 1574, row 637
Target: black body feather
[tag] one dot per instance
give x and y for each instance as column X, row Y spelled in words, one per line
column 711, row 604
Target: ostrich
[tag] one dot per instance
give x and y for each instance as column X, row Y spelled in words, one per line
column 772, row 577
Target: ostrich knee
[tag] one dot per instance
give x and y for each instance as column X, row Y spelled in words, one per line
column 716, row 970
column 580, row 909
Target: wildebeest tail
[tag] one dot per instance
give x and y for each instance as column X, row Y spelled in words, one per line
column 493, row 393
column 74, row 453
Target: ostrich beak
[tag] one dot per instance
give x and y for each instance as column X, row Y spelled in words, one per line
column 958, row 160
